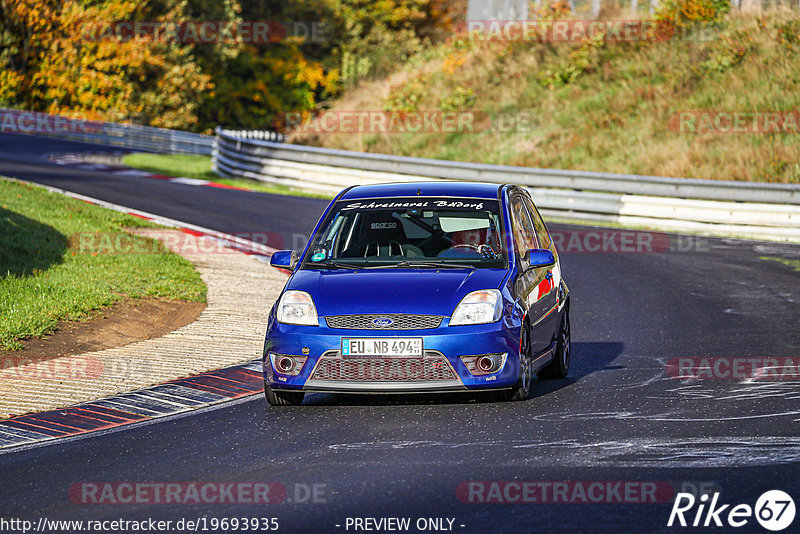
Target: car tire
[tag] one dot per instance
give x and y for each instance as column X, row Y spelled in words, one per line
column 522, row 390
column 283, row 398
column 559, row 367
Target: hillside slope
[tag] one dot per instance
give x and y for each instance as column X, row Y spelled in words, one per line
column 599, row 105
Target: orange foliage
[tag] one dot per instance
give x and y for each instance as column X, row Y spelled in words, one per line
column 62, row 66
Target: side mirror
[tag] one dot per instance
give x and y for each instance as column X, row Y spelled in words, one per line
column 284, row 259
column 538, row 257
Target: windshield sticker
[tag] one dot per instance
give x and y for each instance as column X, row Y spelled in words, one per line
column 383, row 225
column 319, row 256
column 431, row 203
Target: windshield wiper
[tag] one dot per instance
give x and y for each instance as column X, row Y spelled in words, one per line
column 424, row 264
column 333, row 265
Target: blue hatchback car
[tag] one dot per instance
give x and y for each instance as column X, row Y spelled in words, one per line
column 420, row 287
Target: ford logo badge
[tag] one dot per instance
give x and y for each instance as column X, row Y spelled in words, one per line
column 382, row 321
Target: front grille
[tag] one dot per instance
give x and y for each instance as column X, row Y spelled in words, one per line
column 334, row 368
column 400, row 321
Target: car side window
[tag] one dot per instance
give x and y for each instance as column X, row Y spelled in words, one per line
column 541, row 230
column 524, row 232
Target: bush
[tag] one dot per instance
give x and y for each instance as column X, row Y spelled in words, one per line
column 462, row 99
column 789, row 34
column 405, row 97
column 727, row 52
column 583, row 59
column 687, row 14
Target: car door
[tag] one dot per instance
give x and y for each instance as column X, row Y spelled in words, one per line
column 530, row 281
column 548, row 278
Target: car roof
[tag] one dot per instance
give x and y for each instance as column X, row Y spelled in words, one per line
column 424, row 189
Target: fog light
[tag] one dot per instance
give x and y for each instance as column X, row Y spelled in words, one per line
column 485, row 364
column 287, row 365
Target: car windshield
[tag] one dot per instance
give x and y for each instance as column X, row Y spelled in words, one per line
column 410, row 232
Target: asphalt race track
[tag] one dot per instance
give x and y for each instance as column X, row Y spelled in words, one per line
column 619, row 417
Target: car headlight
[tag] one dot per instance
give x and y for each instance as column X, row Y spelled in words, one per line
column 297, row 307
column 478, row 307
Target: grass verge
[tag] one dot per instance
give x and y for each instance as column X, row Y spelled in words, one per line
column 794, row 264
column 198, row 166
column 46, row 277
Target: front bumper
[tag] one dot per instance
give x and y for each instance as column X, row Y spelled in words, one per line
column 440, row 370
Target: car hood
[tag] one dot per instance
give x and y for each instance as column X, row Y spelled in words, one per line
column 419, row 291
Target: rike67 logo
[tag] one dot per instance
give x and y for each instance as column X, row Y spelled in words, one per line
column 774, row 510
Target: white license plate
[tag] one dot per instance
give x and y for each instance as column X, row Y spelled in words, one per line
column 407, row 347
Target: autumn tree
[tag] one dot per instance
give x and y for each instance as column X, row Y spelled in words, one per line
column 57, row 59
column 66, row 56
